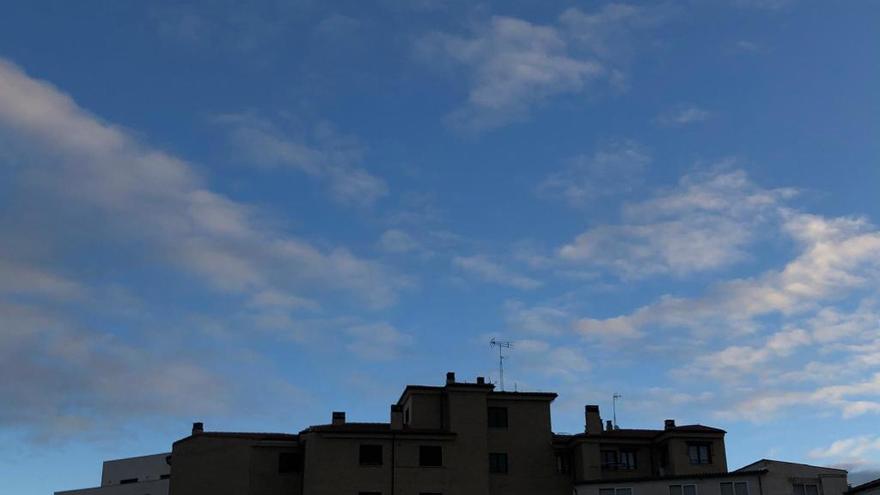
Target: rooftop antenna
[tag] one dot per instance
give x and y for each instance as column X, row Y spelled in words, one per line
column 614, row 407
column 501, row 345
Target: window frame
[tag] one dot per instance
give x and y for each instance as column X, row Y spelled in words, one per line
column 733, row 486
column 700, row 445
column 626, row 490
column 499, row 468
column 603, row 454
column 682, row 486
column 626, row 466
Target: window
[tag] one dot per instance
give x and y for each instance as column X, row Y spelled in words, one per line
column 371, row 455
column 734, row 488
column 498, row 463
column 497, row 417
column 682, row 489
column 700, row 453
column 615, row 491
column 288, row 462
column 369, row 493
column 627, row 459
column 430, row 455
column 128, row 481
column 406, row 416
column 563, row 463
column 164, row 476
column 609, row 459
column 806, row 489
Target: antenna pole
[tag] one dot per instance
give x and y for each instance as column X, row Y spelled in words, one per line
column 501, row 345
column 614, row 406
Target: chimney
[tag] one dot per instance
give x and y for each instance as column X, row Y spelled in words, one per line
column 338, row 417
column 396, row 417
column 198, row 428
column 608, row 425
column 450, row 377
column 593, row 422
column 481, row 380
column 669, row 424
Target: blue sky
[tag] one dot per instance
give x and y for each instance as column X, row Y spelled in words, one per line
column 254, row 215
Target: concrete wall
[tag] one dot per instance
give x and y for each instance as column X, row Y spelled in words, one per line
column 154, row 487
column 213, row 465
column 143, row 468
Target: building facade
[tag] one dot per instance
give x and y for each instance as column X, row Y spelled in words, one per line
column 459, row 438
column 143, row 475
column 764, row 477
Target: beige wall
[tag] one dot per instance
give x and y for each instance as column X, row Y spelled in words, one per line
column 229, row 466
column 679, row 460
column 705, row 486
column 528, row 442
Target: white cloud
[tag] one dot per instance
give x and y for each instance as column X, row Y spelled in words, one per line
column 398, row 241
column 705, row 223
column 328, row 156
column 612, row 170
column 538, row 319
column 515, row 65
column 377, row 341
column 851, row 450
column 153, row 199
column 683, row 115
column 837, row 256
column 70, row 380
column 485, row 269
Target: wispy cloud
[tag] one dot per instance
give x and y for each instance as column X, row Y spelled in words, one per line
column 515, row 65
column 704, row 223
column 485, row 269
column 683, row 115
column 612, row 170
column 326, row 156
column 157, row 199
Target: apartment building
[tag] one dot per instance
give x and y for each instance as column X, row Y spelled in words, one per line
column 142, row 475
column 458, row 438
column 764, row 477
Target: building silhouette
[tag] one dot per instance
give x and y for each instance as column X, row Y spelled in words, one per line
column 465, row 438
column 458, row 438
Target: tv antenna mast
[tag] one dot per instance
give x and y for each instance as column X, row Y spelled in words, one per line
column 501, row 345
column 614, row 407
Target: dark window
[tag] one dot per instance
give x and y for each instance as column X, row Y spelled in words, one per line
column 128, row 481
column 164, row 476
column 369, row 493
column 497, row 417
column 806, row 489
column 430, row 493
column 406, row 416
column 371, row 455
column 682, row 489
column 627, row 459
column 563, row 463
column 615, row 491
column 288, row 462
column 699, row 453
column 609, row 459
column 734, row 488
column 430, row 455
column 498, row 463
